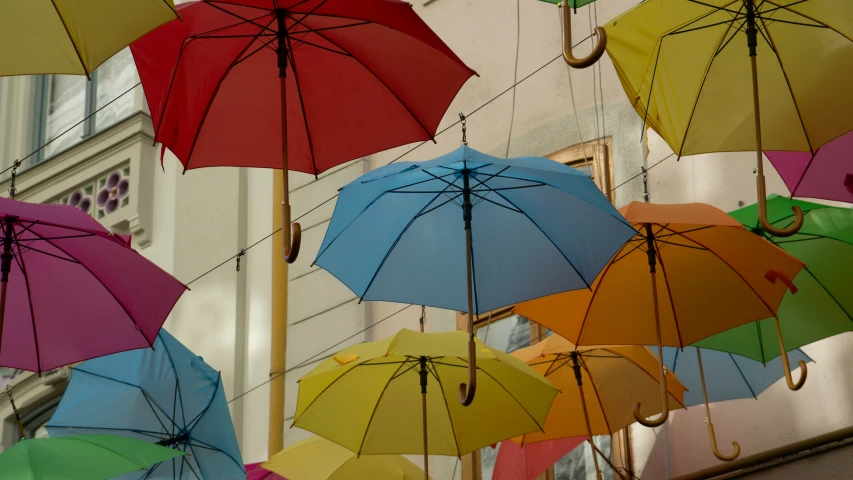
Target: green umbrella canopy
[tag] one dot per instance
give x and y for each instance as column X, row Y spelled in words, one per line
column 572, row 3
column 823, row 303
column 81, row 457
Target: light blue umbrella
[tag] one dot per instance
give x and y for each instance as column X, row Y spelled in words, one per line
column 167, row 396
column 471, row 232
column 714, row 376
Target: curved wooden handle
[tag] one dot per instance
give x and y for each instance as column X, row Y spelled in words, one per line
column 663, row 398
column 466, row 392
column 570, row 59
column 725, row 458
column 786, row 365
column 799, row 218
column 291, row 237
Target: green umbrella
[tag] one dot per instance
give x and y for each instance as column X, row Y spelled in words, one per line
column 81, row 457
column 566, row 19
column 820, row 301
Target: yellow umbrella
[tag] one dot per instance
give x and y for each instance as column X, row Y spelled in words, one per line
column 694, row 71
column 715, row 275
column 598, row 388
column 72, row 36
column 367, row 397
column 316, row 458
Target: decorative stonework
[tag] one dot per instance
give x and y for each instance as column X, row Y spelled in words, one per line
column 112, row 189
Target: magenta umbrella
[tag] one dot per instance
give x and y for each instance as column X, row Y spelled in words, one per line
column 255, row 472
column 72, row 291
column 826, row 174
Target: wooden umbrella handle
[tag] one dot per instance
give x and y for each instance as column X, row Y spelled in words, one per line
column 568, row 56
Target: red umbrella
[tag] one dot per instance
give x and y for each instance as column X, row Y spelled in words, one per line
column 515, row 462
column 355, row 78
column 71, row 291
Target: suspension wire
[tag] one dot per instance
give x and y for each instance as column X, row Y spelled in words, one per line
column 514, row 74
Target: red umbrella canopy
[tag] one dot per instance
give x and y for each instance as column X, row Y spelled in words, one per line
column 360, row 77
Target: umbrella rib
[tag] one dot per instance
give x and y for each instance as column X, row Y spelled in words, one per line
column 483, row 198
column 241, row 17
column 216, row 91
column 292, row 57
column 71, row 39
column 305, row 15
column 772, row 44
column 541, row 428
column 129, row 316
column 602, row 276
column 653, row 377
column 382, row 82
column 807, row 17
column 743, row 376
column 200, row 474
column 394, row 245
column 447, row 409
column 243, row 58
column 210, row 33
column 597, row 396
column 770, row 310
column 36, row 250
column 151, row 406
column 375, row 407
column 849, row 317
column 659, row 256
column 337, row 27
column 716, row 8
column 146, row 433
column 20, row 261
column 549, row 240
column 191, row 424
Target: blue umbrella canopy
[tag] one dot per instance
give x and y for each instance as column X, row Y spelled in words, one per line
column 167, row 396
column 727, row 376
column 538, row 227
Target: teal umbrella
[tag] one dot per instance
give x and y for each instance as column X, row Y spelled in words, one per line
column 820, row 299
column 81, row 457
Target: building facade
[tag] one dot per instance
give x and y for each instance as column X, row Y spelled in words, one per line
column 190, row 224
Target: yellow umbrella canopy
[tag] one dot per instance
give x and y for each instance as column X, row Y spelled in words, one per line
column 72, row 36
column 695, row 72
column 690, row 272
column 369, row 396
column 316, row 458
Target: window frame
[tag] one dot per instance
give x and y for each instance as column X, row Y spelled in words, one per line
column 43, row 85
column 597, row 153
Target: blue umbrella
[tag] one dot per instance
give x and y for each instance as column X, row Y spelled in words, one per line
column 167, row 396
column 713, row 376
column 532, row 227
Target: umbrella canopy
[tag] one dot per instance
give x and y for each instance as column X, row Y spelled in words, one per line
column 300, row 85
column 532, row 227
column 316, row 458
column 367, row 397
column 695, row 70
column 823, row 174
column 613, row 379
column 72, row 37
column 515, row 462
column 58, row 263
column 538, row 227
column 254, row 471
column 823, row 303
column 715, row 275
column 727, row 376
column 81, row 457
column 167, row 396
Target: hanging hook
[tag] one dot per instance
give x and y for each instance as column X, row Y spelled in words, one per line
column 645, row 184
column 725, row 458
column 464, row 128
column 15, row 410
column 12, row 189
column 242, row 252
column 786, row 365
column 568, row 56
column 423, row 318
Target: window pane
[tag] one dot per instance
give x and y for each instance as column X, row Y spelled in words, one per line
column 115, row 76
column 66, row 105
column 578, row 464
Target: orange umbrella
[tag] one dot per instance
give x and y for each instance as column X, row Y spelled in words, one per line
column 598, row 387
column 715, row 275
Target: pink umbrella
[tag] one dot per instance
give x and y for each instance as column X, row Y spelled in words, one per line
column 828, row 174
column 72, row 291
column 515, row 462
column 255, row 472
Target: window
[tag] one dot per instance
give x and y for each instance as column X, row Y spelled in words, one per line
column 508, row 332
column 63, row 101
column 35, row 420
